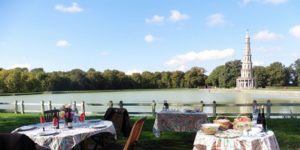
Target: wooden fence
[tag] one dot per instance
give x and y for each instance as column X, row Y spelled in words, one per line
column 19, row 107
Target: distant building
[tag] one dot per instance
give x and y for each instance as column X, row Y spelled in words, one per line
column 246, row 80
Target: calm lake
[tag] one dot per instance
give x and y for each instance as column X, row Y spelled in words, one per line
column 171, row 95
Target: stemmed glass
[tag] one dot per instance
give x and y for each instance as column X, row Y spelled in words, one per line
column 82, row 118
column 42, row 121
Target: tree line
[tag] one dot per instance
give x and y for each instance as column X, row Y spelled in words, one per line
column 37, row 80
column 276, row 74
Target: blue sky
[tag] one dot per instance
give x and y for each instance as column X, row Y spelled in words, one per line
column 139, row 35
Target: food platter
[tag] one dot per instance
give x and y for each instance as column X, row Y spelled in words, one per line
column 228, row 134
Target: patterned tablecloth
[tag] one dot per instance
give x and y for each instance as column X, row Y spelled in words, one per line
column 65, row 138
column 262, row 141
column 178, row 121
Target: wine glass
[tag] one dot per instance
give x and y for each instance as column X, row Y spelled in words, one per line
column 42, row 121
column 82, row 118
column 55, row 122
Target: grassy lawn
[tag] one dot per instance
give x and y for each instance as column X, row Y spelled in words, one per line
column 287, row 132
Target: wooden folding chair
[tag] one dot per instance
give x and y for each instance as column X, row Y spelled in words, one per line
column 132, row 139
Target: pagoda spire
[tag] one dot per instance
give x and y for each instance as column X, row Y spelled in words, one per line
column 247, row 44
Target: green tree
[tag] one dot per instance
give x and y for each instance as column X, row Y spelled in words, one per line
column 137, row 80
column 261, row 75
column 148, row 80
column 195, row 77
column 57, row 81
column 116, row 79
column 96, row 80
column 277, row 74
column 177, row 79
column 166, row 80
column 15, row 80
column 232, row 71
column 214, row 77
column 296, row 66
column 78, row 79
column 158, row 80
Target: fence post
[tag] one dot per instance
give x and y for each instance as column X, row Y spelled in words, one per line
column 254, row 106
column 50, row 105
column 153, row 107
column 83, row 107
column 269, row 104
column 22, row 107
column 121, row 104
column 16, row 107
column 201, row 106
column 110, row 104
column 214, row 109
column 42, row 107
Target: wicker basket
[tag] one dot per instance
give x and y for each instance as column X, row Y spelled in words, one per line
column 224, row 123
column 242, row 123
column 209, row 128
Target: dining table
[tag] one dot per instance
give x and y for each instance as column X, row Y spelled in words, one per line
column 259, row 141
column 178, row 121
column 64, row 138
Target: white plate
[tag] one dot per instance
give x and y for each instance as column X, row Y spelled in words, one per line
column 98, row 126
column 25, row 128
column 48, row 132
column 94, row 121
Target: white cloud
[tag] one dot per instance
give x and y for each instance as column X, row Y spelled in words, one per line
column 295, row 31
column 182, row 68
column 130, row 72
column 62, row 43
column 216, row 19
column 74, row 8
column 266, row 35
column 200, row 56
column 104, row 53
column 19, row 66
column 155, row 19
column 258, row 63
column 177, row 16
column 149, row 38
column 273, row 2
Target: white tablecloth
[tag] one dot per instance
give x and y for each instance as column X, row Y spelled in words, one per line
column 67, row 138
column 263, row 141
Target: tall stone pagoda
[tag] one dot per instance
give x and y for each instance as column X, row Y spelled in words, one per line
column 246, row 80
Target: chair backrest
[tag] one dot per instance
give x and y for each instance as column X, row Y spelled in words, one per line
column 117, row 119
column 134, row 134
column 120, row 119
column 15, row 141
column 48, row 114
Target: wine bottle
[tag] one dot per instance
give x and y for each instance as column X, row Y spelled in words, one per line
column 263, row 120
column 55, row 121
column 259, row 117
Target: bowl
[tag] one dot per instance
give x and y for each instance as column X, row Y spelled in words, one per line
column 210, row 128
